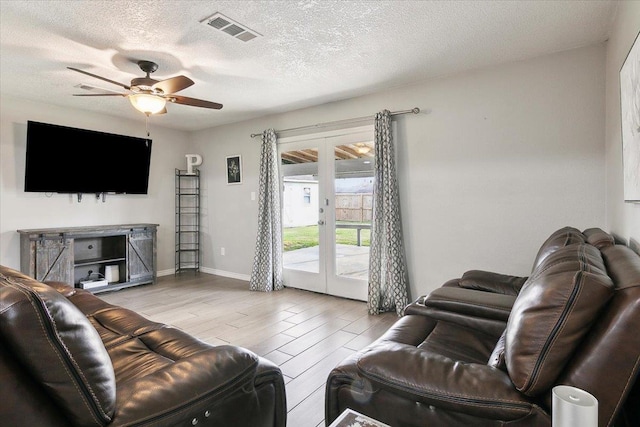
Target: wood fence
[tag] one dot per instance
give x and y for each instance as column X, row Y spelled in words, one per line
column 356, row 207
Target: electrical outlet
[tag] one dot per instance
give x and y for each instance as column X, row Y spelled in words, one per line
column 223, row 251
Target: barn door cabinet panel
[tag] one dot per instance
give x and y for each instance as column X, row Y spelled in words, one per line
column 99, row 259
column 141, row 255
column 48, row 257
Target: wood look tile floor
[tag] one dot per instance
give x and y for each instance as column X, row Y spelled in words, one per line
column 305, row 333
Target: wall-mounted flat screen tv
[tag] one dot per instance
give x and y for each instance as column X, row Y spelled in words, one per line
column 63, row 159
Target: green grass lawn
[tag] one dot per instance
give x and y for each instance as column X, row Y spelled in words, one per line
column 305, row 237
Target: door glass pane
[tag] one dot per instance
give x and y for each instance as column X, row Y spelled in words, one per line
column 353, row 208
column 300, row 200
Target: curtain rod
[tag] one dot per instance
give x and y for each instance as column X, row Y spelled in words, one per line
column 415, row 110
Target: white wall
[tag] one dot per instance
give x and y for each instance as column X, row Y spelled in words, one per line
column 498, row 159
column 623, row 219
column 20, row 210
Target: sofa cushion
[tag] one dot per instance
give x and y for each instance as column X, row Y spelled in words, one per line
column 59, row 347
column 550, row 316
column 558, row 239
column 496, row 359
column 598, row 238
column 492, row 282
column 575, row 257
column 571, row 258
column 471, row 302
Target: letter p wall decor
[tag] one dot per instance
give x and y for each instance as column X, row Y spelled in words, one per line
column 193, row 160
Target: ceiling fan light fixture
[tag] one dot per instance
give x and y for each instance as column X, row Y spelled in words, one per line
column 362, row 148
column 147, row 103
column 150, row 96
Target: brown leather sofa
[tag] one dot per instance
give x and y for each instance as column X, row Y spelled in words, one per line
column 486, row 349
column 67, row 358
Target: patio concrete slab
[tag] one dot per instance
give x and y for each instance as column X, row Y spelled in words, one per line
column 351, row 261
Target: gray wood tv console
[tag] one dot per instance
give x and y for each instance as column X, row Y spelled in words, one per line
column 74, row 255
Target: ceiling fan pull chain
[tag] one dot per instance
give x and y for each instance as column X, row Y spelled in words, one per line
column 146, row 122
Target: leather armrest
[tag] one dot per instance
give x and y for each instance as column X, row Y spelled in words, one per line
column 185, row 389
column 493, row 327
column 61, row 287
column 484, row 311
column 474, row 303
column 491, row 282
column 421, row 376
column 452, row 282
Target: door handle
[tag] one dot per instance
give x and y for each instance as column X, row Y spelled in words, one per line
column 321, row 222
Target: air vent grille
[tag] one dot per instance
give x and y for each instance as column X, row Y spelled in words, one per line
column 218, row 23
column 246, row 36
column 231, row 27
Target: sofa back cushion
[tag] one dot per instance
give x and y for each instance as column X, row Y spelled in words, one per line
column 571, row 258
column 58, row 346
column 558, row 239
column 553, row 312
column 598, row 238
column 608, row 358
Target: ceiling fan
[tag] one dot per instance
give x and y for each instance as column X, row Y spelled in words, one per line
column 150, row 96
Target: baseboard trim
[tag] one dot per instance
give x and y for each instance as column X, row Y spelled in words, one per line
column 223, row 273
column 213, row 271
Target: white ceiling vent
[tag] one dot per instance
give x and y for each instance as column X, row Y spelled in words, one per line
column 231, row 27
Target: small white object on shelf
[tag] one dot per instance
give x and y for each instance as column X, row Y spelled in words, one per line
column 351, row 418
column 91, row 284
column 573, row 407
column 112, row 273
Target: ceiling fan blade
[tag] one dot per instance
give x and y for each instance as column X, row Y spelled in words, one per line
column 100, row 94
column 94, row 89
column 174, row 84
column 101, row 78
column 185, row 100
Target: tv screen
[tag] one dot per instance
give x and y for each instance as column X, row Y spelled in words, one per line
column 63, row 159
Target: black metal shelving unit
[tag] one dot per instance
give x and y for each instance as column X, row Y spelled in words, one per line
column 187, row 221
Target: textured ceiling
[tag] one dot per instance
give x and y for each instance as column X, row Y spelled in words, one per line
column 310, row 52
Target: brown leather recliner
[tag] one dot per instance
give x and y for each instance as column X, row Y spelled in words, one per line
column 487, row 349
column 67, row 358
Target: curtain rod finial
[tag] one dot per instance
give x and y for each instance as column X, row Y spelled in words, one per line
column 415, row 110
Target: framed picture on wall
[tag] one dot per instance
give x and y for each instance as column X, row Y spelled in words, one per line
column 630, row 120
column 234, row 169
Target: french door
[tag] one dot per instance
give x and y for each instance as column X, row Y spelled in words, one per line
column 327, row 195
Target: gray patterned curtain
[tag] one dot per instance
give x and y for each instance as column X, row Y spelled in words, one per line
column 266, row 274
column 388, row 282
